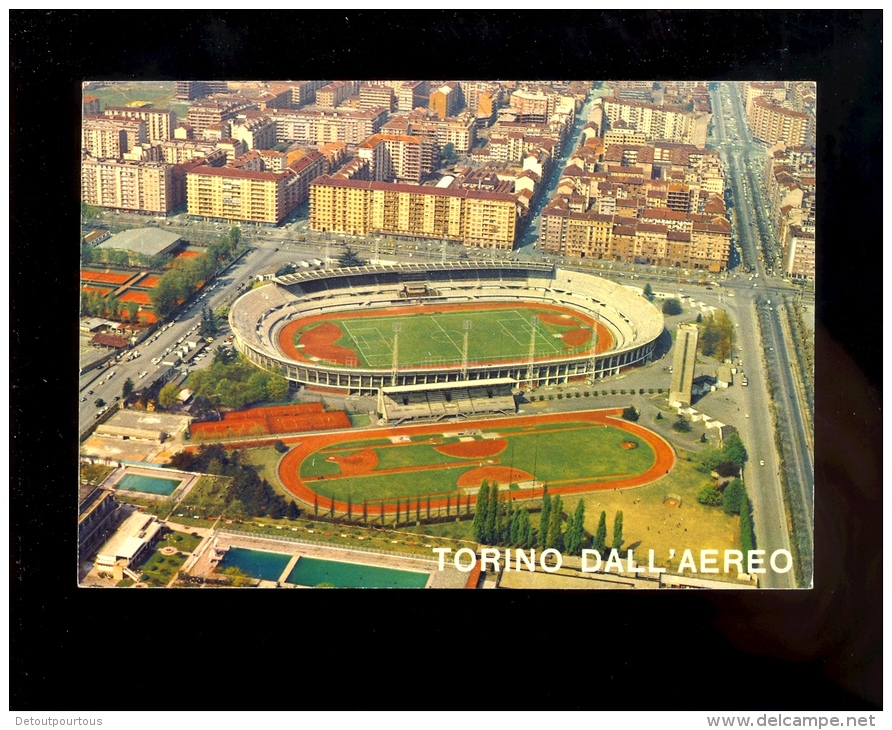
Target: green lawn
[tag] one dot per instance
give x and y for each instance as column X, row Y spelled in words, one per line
column 160, row 569
column 159, row 93
column 557, row 454
column 206, row 499
column 183, row 541
column 438, row 337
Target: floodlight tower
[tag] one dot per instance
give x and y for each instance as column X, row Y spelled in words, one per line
column 396, row 349
column 593, row 360
column 532, row 356
column 466, row 325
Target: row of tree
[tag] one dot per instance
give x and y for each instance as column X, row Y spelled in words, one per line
column 498, row 521
column 247, row 494
column 93, row 304
column 186, row 277
column 716, row 331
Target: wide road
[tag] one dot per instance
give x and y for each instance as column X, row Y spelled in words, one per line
column 763, row 482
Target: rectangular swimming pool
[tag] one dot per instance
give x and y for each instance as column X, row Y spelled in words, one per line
column 150, row 485
column 259, row 564
column 337, row 574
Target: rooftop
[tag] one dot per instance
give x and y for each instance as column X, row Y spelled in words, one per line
column 146, row 241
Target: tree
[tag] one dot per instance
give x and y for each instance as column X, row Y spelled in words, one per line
column 293, row 510
column 127, row 389
column 350, row 258
column 99, row 403
column 280, row 446
column 733, row 450
column 575, row 530
column 648, row 292
column 208, row 323
column 599, row 541
column 734, row 497
column 631, row 413
column 235, row 235
column 132, row 311
column 448, row 153
column 543, row 519
column 480, row 511
column 671, row 306
column 681, row 424
column 727, row 469
column 618, row 530
column 224, row 355
column 236, row 510
column 278, row 509
column 491, row 528
column 709, row 495
column 276, row 387
column 555, row 519
column 699, row 317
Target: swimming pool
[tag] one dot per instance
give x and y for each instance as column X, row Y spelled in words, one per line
column 256, row 563
column 315, row 571
column 151, row 485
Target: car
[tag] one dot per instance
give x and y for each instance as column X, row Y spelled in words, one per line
column 89, row 392
column 761, row 463
column 84, row 399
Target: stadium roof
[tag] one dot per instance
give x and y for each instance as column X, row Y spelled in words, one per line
column 146, row 241
column 315, row 274
column 423, row 387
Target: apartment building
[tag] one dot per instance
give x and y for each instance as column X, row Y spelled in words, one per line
column 216, row 110
column 773, row 124
column 160, row 123
column 257, row 132
column 536, row 107
column 799, row 259
column 334, row 94
column 191, row 90
column 700, row 244
column 321, row 126
column 376, row 97
column 473, row 217
column 230, row 194
column 398, row 158
column 127, row 185
column 672, row 124
column 447, row 100
column 460, row 132
column 111, row 136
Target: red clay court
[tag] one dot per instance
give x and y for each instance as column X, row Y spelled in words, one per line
column 268, row 420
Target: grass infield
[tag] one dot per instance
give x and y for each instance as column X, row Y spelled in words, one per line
column 572, row 453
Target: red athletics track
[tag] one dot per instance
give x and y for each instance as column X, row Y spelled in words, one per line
column 322, row 346
column 290, row 465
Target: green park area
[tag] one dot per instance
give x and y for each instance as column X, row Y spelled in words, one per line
column 161, row 95
column 160, row 569
column 438, row 337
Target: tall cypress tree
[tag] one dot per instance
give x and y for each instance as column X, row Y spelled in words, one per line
column 579, row 525
column 514, row 528
column 570, row 535
column 480, row 512
column 492, row 516
column 618, row 530
column 599, row 541
column 555, row 536
column 543, row 519
column 527, row 529
column 505, row 537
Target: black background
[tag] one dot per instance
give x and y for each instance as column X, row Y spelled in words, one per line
column 94, row 649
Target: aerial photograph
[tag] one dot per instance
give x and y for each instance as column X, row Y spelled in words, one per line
column 462, row 334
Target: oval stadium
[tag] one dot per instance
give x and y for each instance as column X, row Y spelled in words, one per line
column 466, row 326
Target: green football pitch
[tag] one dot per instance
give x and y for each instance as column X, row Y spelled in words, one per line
column 437, row 337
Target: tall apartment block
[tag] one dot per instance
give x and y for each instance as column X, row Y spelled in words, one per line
column 473, row 217
column 160, row 123
column 398, row 157
column 447, row 100
column 683, row 366
column 133, row 186
column 245, row 195
column 771, row 123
